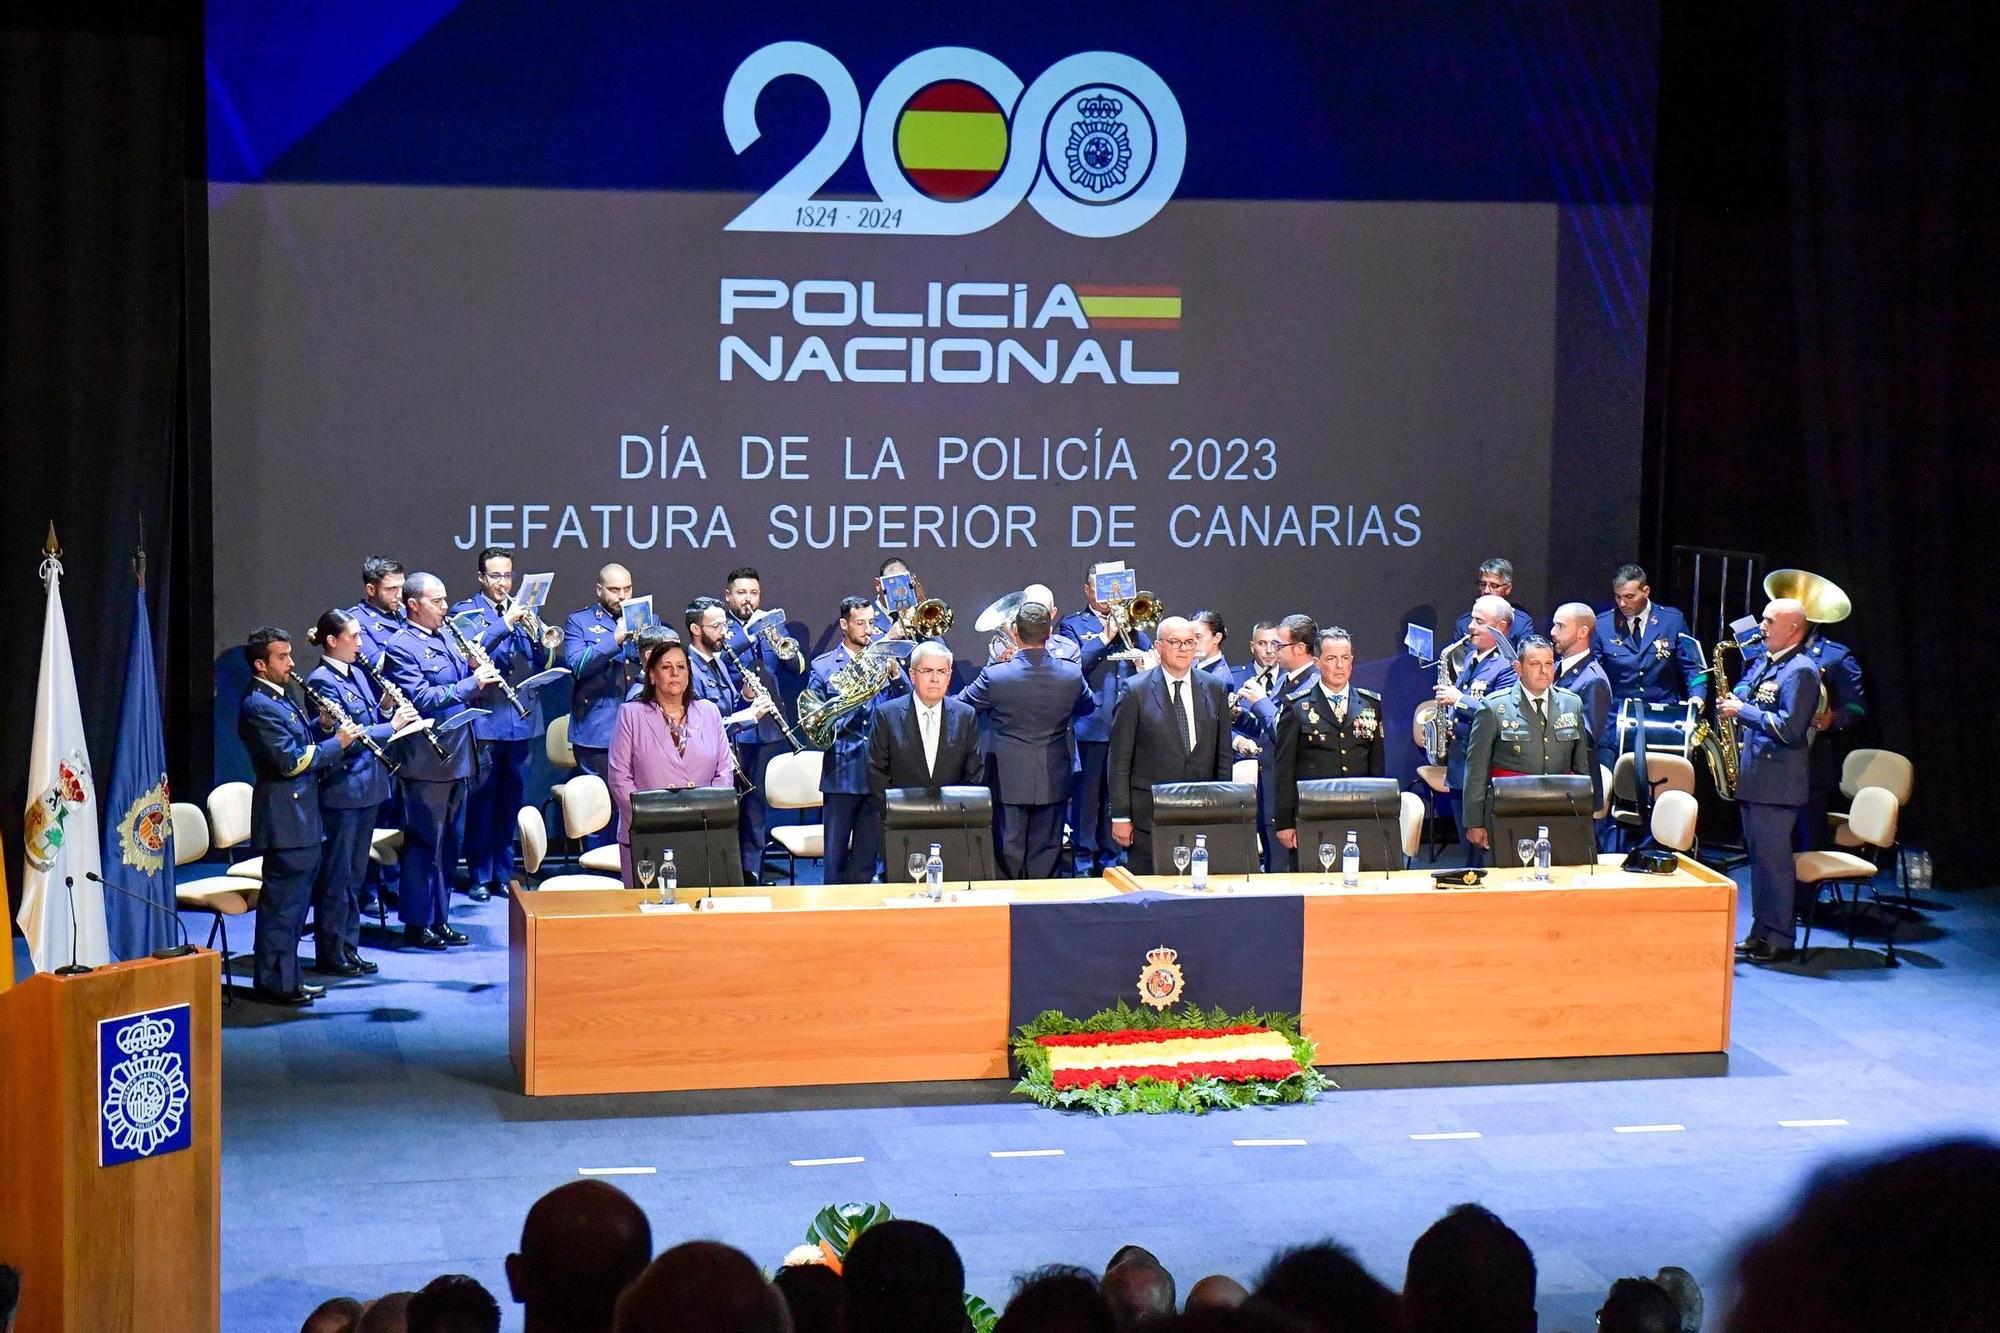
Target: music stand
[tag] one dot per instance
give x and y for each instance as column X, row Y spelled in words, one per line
column 958, row 819
column 1226, row 812
column 699, row 825
column 1371, row 808
column 1562, row 801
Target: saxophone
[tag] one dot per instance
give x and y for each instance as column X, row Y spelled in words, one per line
column 1715, row 735
column 1439, row 726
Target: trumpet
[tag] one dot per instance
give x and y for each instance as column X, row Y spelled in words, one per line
column 786, row 647
column 929, row 618
column 550, row 635
column 476, row 654
column 388, row 690
column 1141, row 611
column 331, row 707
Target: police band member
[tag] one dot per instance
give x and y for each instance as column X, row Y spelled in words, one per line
column 1496, row 579
column 1091, row 797
column 1291, row 672
column 424, row 662
column 1645, row 649
column 1331, row 729
column 1171, row 724
column 1532, row 729
column 776, row 669
column 284, row 811
column 1833, row 727
column 503, row 740
column 1209, row 636
column 852, row 816
column 351, row 789
column 1579, row 672
column 1262, row 668
column 1029, row 699
column 1773, row 705
column 604, row 663
column 380, row 609
column 1487, row 672
column 1061, row 645
column 888, row 624
column 924, row 738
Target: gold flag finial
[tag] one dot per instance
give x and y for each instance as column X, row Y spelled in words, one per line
column 49, row 547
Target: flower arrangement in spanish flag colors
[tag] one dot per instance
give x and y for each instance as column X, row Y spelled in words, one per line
column 1180, row 1059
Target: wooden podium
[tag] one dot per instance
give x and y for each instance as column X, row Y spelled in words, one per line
column 133, row 1245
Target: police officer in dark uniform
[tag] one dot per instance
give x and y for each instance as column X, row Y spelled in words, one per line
column 1293, row 672
column 1332, row 730
column 1579, row 672
column 1773, row 706
column 1496, row 579
column 603, row 662
column 1090, row 795
column 1833, row 728
column 1533, row 729
column 352, row 789
column 743, row 597
column 1489, row 671
column 284, row 811
column 888, row 624
column 426, row 665
column 852, row 816
column 503, row 739
column 380, row 612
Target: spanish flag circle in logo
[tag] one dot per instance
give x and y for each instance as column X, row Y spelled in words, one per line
column 951, row 140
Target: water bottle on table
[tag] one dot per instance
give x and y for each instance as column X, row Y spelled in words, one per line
column 1543, row 853
column 1199, row 863
column 934, row 875
column 670, row 877
column 1350, row 861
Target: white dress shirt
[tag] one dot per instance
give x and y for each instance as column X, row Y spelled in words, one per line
column 1187, row 696
column 930, row 726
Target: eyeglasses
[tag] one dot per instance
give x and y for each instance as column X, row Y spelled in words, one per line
column 1177, row 643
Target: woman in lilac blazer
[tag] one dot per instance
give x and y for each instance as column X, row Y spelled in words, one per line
column 666, row 738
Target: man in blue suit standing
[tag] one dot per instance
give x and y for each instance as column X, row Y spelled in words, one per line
column 1105, row 678
column 776, row 669
column 503, row 739
column 1773, row 706
column 1645, row 648
column 603, row 662
column 426, row 665
column 284, row 811
column 1579, row 672
column 1486, row 674
column 1030, row 699
column 852, row 816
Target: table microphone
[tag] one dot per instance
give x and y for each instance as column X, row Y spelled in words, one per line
column 181, row 950
column 965, row 836
column 1391, row 849
column 75, row 969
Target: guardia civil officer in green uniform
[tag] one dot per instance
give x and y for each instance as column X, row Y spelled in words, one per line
column 1532, row 729
column 1330, row 729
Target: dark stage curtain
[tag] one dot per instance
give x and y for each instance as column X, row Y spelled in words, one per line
column 1825, row 356
column 103, row 385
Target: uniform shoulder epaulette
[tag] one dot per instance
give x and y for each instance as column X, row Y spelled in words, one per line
column 1368, row 694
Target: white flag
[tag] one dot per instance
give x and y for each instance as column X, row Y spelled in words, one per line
column 60, row 838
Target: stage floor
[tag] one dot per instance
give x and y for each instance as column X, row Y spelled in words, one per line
column 377, row 1140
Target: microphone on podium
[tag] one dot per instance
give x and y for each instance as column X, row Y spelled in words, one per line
column 181, row 950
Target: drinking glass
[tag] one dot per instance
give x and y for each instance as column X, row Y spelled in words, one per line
column 1182, row 858
column 646, row 870
column 1525, row 849
column 917, row 863
column 1326, row 853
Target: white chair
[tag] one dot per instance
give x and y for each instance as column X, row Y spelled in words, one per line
column 385, row 848
column 1666, row 772
column 791, row 782
column 1872, row 819
column 562, row 758
column 1603, row 786
column 1244, row 770
column 535, row 846
column 1411, row 815
column 586, row 808
column 229, row 826
column 1434, row 777
column 221, row 896
column 1874, row 768
column 1675, row 815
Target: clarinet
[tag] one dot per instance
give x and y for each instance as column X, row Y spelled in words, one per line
column 331, row 707
column 388, row 690
column 479, row 657
column 753, row 686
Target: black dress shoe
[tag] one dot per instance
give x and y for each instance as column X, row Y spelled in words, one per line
column 360, row 964
column 1746, row 944
column 479, row 893
column 422, row 937
column 453, row 937
column 296, row 999
column 329, row 968
column 1763, row 951
column 311, row 991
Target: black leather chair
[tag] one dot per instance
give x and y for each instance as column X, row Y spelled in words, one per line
column 1372, row 808
column 1563, row 801
column 958, row 819
column 699, row 825
column 1226, row 812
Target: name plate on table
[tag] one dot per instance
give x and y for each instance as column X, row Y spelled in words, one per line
column 653, row 907
column 754, row 903
column 954, row 898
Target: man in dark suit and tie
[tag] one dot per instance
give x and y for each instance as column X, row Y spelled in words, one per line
column 1579, row 672
column 1171, row 725
column 284, row 810
column 924, row 739
column 1030, row 698
column 1773, row 709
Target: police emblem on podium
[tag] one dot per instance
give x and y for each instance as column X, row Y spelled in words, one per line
column 1160, row 981
column 142, row 1086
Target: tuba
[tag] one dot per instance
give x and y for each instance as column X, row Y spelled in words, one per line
column 854, row 686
